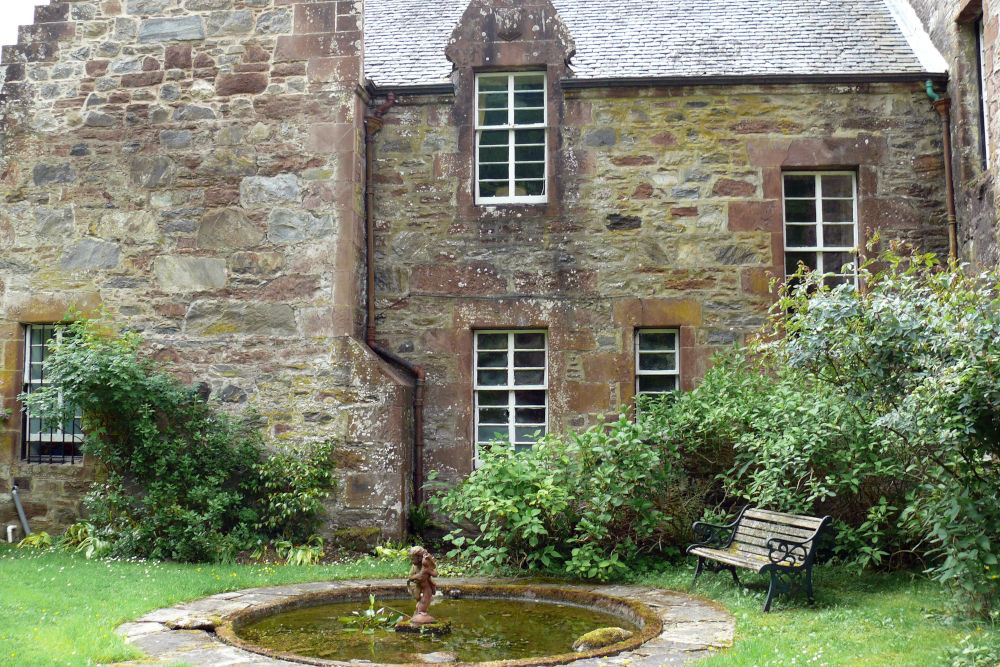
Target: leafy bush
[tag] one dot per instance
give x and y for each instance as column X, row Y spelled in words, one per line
column 585, row 502
column 181, row 480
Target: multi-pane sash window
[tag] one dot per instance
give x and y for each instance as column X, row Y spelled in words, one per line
column 510, row 138
column 821, row 223
column 657, row 370
column 44, row 441
column 511, row 387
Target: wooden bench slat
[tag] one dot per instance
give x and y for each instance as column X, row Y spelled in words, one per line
column 808, row 522
column 737, row 560
column 767, row 531
column 788, row 532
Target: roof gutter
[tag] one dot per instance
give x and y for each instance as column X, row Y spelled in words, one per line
column 751, row 79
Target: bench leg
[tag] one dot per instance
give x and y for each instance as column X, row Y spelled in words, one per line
column 771, row 592
column 809, row 586
column 732, row 571
column 698, row 570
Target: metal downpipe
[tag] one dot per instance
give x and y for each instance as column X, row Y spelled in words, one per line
column 943, row 106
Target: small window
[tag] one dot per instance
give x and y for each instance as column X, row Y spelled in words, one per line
column 511, row 147
column 511, row 387
column 43, row 441
column 657, row 367
column 821, row 223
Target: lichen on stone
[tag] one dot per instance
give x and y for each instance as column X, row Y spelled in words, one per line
column 600, row 638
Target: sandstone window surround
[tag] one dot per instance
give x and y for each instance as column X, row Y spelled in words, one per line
column 511, row 387
column 972, row 15
column 820, row 211
column 43, row 441
column 511, row 138
column 657, row 361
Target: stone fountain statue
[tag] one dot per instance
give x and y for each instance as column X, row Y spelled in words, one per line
column 421, row 585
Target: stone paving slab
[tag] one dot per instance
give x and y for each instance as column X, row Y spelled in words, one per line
column 694, row 628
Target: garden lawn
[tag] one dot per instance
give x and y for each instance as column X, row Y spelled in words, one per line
column 58, row 608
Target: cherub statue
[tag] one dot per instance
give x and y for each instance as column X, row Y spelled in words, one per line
column 420, row 584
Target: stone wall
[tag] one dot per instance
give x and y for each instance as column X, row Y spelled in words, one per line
column 666, row 213
column 951, row 24
column 196, row 166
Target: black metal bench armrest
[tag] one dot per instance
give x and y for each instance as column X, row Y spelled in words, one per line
column 788, row 552
column 713, row 534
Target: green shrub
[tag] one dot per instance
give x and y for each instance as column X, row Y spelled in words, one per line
column 582, row 502
column 181, row 480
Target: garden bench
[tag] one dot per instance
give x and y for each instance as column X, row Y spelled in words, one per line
column 783, row 545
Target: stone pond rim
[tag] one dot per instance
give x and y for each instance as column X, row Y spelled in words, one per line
column 645, row 618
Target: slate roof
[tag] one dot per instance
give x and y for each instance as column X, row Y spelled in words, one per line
column 405, row 39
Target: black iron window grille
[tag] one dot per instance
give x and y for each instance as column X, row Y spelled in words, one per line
column 42, row 440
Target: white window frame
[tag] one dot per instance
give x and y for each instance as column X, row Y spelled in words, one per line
column 675, row 373
column 820, row 247
column 984, row 111
column 512, row 128
column 510, row 386
column 34, row 357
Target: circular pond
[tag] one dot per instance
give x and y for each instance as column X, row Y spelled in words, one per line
column 519, row 625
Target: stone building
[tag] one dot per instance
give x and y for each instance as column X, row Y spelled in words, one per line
column 568, row 202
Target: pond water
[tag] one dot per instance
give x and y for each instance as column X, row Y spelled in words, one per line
column 481, row 630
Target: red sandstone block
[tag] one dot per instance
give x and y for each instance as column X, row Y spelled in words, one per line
column 303, row 47
column 315, row 17
column 97, row 67
column 632, row 160
column 756, row 281
column 203, row 60
column 728, row 187
column 344, row 68
column 684, row 211
column 46, row 32
column 288, row 69
column 149, row 64
column 251, row 67
column 474, row 279
column 663, row 139
column 51, row 13
column 755, row 216
column 177, row 57
column 241, row 84
column 141, row 79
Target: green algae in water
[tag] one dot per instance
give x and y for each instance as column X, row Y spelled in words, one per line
column 481, row 630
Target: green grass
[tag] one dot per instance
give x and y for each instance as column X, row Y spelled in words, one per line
column 58, row 608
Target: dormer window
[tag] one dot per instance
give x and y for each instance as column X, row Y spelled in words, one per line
column 511, row 151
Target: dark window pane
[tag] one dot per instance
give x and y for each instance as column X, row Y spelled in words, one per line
column 522, row 137
column 492, row 360
column 650, row 361
column 529, row 415
column 838, row 235
column 530, row 188
column 529, row 377
column 532, row 99
column 800, row 236
column 493, row 82
column 529, row 398
column 493, row 100
column 493, row 137
column 528, row 433
column 528, row 153
column 800, row 185
column 488, row 433
column 529, row 116
column 492, row 189
column 489, row 172
column 491, row 341
column 657, row 340
column 833, row 281
column 529, row 359
column 837, row 185
column 530, row 170
column 833, row 262
column 498, row 117
column 529, row 341
column 838, row 210
column 492, row 397
column 529, row 81
column 494, row 416
column 492, row 378
column 792, row 260
column 499, row 154
column 657, row 383
column 800, row 210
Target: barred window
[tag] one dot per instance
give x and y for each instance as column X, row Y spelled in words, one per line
column 43, row 441
column 510, row 138
column 657, row 370
column 821, row 223
column 511, row 387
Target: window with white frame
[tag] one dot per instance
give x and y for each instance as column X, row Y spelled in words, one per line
column 43, row 441
column 511, row 387
column 657, row 367
column 821, row 223
column 511, row 138
column 984, row 120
